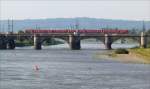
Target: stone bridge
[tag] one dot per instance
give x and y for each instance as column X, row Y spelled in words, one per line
column 7, row 41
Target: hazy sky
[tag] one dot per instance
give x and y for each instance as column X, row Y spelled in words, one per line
column 110, row 9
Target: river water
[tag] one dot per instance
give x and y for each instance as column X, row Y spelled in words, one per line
column 62, row 68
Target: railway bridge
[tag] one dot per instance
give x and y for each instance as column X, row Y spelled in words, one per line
column 72, row 37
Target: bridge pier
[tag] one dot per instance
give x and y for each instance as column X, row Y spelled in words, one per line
column 143, row 42
column 108, row 41
column 37, row 42
column 74, row 42
column 3, row 43
column 10, row 41
column 11, row 44
column 7, row 42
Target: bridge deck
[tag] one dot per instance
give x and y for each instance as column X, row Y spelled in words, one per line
column 68, row 34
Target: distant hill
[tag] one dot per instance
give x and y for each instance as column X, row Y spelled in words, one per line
column 68, row 23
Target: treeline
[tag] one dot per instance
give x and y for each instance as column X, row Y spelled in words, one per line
column 148, row 32
column 22, row 43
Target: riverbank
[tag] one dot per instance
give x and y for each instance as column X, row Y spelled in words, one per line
column 31, row 43
column 143, row 53
column 136, row 55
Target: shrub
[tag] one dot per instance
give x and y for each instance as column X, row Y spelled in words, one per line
column 148, row 45
column 135, row 47
column 121, row 51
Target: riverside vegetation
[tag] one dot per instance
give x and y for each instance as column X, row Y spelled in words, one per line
column 133, row 55
column 22, row 43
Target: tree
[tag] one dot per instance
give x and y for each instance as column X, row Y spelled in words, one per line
column 20, row 32
column 148, row 32
column 134, row 31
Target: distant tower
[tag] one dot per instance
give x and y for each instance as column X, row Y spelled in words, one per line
column 71, row 27
column 77, row 27
column 143, row 29
column 77, row 24
column 10, row 25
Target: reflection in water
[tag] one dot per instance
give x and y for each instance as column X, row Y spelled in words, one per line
column 62, row 68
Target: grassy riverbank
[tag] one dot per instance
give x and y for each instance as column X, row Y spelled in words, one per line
column 143, row 53
column 135, row 55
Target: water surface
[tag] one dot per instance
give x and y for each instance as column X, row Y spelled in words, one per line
column 62, row 68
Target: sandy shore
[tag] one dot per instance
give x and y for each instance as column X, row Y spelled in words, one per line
column 125, row 58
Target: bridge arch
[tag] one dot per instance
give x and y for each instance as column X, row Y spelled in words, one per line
column 54, row 38
column 92, row 43
column 51, row 40
column 123, row 41
column 7, row 42
column 101, row 39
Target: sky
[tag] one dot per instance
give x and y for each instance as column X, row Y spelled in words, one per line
column 108, row 9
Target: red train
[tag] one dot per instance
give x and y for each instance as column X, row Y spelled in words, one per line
column 80, row 31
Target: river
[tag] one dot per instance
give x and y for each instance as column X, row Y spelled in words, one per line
column 62, row 68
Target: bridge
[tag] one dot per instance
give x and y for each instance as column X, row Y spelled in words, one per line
column 72, row 37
